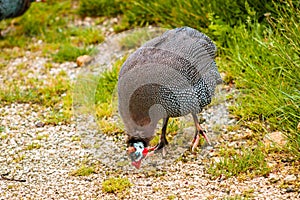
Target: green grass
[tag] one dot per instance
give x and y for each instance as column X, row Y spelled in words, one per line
column 258, row 44
column 50, row 23
column 100, row 8
column 70, row 53
column 259, row 48
column 116, row 185
column 138, row 37
column 259, row 40
column 107, row 83
column 243, row 162
column 266, row 63
column 106, row 99
column 98, row 95
column 53, row 93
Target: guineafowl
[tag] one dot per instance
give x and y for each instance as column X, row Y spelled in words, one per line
column 14, row 8
column 169, row 76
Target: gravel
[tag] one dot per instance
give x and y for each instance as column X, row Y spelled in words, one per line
column 37, row 160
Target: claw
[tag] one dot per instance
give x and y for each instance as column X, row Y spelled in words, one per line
column 164, row 152
column 197, row 139
column 157, row 148
column 195, row 142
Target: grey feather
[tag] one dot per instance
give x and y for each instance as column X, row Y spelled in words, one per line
column 169, row 76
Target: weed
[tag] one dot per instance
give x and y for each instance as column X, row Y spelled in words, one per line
column 104, row 110
column 233, row 127
column 122, row 163
column 3, row 136
column 75, row 138
column 171, row 197
column 236, row 197
column 83, row 171
column 248, row 193
column 41, row 137
column 155, row 140
column 19, row 158
column 109, row 127
column 11, row 186
column 116, row 185
column 2, row 129
column 174, row 126
column 33, row 145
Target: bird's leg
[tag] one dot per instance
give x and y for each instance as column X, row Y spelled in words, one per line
column 163, row 140
column 199, row 131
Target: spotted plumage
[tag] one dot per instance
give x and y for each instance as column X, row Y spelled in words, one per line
column 169, row 76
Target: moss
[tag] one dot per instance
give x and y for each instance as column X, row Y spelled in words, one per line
column 116, row 185
column 41, row 137
column 83, row 171
column 33, row 146
column 75, row 138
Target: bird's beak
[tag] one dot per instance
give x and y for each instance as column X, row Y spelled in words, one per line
column 130, row 150
column 137, row 164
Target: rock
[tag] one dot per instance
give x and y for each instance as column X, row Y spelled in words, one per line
column 290, row 178
column 39, row 124
column 273, row 178
column 289, row 189
column 83, row 60
column 275, row 138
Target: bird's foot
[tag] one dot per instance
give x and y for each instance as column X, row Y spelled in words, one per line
column 196, row 140
column 160, row 148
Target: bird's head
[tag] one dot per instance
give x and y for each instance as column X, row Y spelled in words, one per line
column 138, row 139
column 137, row 152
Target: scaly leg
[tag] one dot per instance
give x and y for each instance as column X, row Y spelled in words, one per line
column 163, row 140
column 199, row 131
